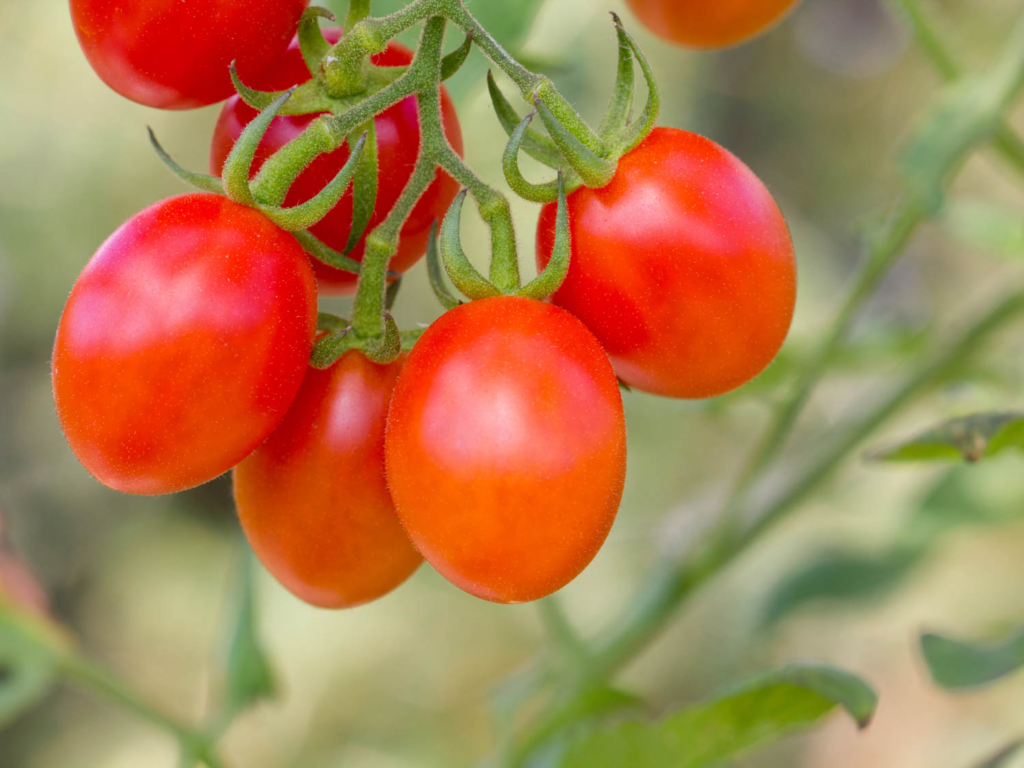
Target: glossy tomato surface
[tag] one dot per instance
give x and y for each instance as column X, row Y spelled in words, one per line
column 709, row 23
column 175, row 54
column 683, row 267
column 506, row 448
column 182, row 344
column 313, row 500
column 398, row 141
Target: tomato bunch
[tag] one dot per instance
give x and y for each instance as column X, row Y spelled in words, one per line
column 496, row 448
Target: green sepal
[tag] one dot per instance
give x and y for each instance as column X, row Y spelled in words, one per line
column 307, row 98
column 463, row 274
column 198, row 180
column 388, row 347
column 620, row 110
column 308, row 214
column 553, row 275
column 311, row 39
column 325, row 254
column 453, row 62
column 364, row 186
column 436, row 272
column 595, row 171
column 535, row 193
column 535, row 144
column 391, row 292
column 642, row 128
column 239, row 163
column 329, row 349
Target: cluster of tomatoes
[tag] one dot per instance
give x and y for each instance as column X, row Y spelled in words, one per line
column 496, row 448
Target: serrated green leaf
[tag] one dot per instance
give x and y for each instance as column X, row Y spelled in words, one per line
column 969, row 438
column 839, row 575
column 753, row 714
column 250, row 677
column 980, row 224
column 956, row 664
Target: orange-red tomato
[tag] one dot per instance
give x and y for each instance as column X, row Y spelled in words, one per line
column 398, row 143
column 174, row 54
column 683, row 267
column 313, row 500
column 709, row 23
column 182, row 344
column 506, row 448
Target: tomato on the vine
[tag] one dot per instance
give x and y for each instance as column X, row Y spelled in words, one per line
column 313, row 500
column 175, row 55
column 709, row 23
column 683, row 267
column 398, row 141
column 182, row 344
column 506, row 447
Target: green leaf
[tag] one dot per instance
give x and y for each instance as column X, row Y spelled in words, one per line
column 27, row 666
column 756, row 713
column 956, row 665
column 970, row 438
column 980, row 224
column 250, row 677
column 839, row 575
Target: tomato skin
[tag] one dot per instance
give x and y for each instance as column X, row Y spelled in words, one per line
column 506, row 448
column 398, row 141
column 174, row 54
column 709, row 23
column 683, row 267
column 313, row 500
column 182, row 344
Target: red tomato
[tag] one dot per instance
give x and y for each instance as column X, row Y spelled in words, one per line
column 709, row 23
column 174, row 54
column 506, row 448
column 313, row 499
column 183, row 343
column 398, row 141
column 682, row 267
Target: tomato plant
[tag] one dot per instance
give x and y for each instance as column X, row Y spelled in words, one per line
column 175, row 55
column 506, row 447
column 709, row 23
column 313, row 499
column 182, row 344
column 398, row 140
column 683, row 267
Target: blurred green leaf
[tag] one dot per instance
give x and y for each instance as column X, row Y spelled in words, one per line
column 970, row 438
column 27, row 670
column 752, row 714
column 250, row 677
column 1006, row 753
column 980, row 224
column 955, row 664
column 839, row 575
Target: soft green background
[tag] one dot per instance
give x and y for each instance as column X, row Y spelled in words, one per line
column 818, row 109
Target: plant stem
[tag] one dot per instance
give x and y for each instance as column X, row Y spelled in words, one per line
column 357, row 11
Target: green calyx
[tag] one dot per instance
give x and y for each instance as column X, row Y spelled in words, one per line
column 347, row 91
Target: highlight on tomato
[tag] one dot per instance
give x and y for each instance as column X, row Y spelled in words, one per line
column 506, row 447
column 709, row 23
column 398, row 141
column 182, row 344
column 313, row 500
column 176, row 55
column 683, row 267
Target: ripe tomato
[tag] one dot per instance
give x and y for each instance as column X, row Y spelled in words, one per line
column 183, row 343
column 174, row 54
column 313, row 499
column 709, row 23
column 682, row 267
column 506, row 448
column 398, row 141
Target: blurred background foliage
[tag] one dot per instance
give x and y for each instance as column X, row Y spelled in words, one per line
column 818, row 108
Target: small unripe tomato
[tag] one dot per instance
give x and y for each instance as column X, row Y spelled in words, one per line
column 709, row 23
column 313, row 501
column 683, row 267
column 506, row 447
column 182, row 344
